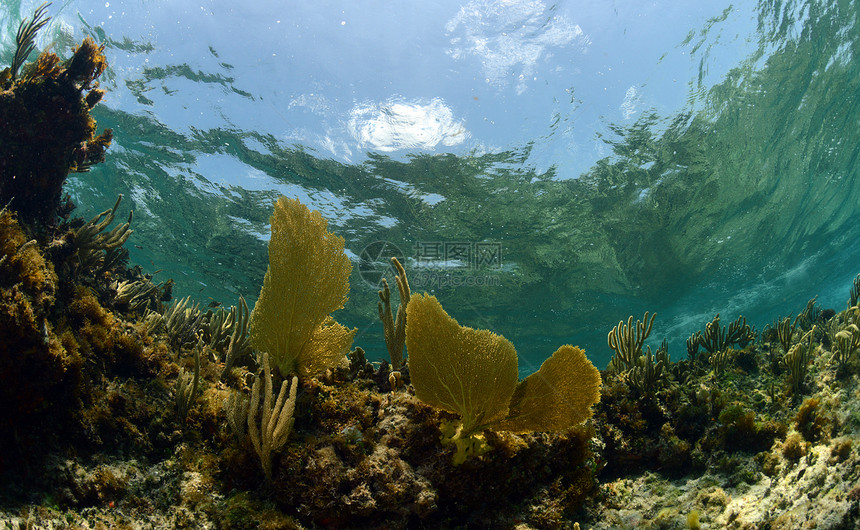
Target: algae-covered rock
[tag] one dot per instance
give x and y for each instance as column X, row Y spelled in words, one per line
column 48, row 131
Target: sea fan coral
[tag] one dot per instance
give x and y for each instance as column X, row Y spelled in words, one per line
column 308, row 278
column 473, row 373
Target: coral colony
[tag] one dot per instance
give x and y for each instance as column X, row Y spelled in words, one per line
column 123, row 407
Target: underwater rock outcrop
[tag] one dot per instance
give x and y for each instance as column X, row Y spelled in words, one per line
column 48, row 130
column 57, row 334
column 35, row 369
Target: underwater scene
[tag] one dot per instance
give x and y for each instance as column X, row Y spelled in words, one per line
column 459, row 264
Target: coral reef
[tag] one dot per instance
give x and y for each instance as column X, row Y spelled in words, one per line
column 121, row 409
column 702, row 448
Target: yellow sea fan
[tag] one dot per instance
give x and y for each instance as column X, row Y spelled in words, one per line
column 470, row 372
column 474, row 373
column 307, row 278
column 557, row 396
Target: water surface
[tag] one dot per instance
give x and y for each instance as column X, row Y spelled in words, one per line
column 544, row 169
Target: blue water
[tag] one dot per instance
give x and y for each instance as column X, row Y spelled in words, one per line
column 545, row 170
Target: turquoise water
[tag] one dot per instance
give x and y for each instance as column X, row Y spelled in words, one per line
column 544, row 170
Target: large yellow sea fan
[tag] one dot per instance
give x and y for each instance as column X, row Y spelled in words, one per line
column 471, row 372
column 557, row 396
column 307, row 279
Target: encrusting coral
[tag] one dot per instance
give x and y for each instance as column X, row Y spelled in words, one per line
column 307, row 279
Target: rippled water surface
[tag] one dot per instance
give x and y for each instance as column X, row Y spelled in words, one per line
column 544, row 169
